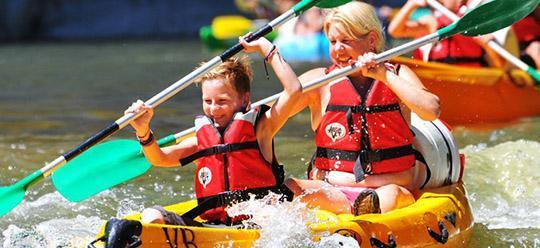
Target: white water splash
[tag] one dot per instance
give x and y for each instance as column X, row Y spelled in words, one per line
column 285, row 224
column 46, row 206
column 504, row 184
column 337, row 241
column 128, row 207
column 77, row 232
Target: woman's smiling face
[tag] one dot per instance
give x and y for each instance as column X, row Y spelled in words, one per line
column 344, row 48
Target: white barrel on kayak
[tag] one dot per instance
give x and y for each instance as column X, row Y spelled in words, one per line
column 434, row 141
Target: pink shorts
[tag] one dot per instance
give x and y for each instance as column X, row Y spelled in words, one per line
column 351, row 192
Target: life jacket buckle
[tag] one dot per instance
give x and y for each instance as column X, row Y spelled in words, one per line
column 365, row 160
column 222, row 148
column 357, row 108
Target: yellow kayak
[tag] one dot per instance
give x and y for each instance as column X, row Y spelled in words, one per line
column 478, row 95
column 439, row 217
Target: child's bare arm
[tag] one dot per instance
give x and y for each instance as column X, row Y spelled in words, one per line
column 170, row 156
column 292, row 89
column 163, row 157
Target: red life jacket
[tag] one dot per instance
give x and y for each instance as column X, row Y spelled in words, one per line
column 457, row 49
column 363, row 135
column 231, row 162
column 527, row 30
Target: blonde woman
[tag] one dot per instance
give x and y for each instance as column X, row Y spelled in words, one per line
column 364, row 157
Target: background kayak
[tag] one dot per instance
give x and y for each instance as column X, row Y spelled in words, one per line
column 478, row 95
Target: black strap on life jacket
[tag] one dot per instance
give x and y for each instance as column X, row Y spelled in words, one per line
column 229, row 197
column 219, row 149
column 360, row 108
column 362, row 165
column 349, row 110
column 365, row 156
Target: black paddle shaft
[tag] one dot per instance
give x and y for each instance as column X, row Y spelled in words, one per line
column 238, row 47
column 85, row 145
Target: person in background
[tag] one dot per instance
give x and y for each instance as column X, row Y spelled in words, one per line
column 528, row 35
column 233, row 148
column 458, row 49
column 364, row 158
column 301, row 39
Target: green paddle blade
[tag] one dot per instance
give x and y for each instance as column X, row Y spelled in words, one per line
column 100, row 168
column 304, row 5
column 534, row 74
column 489, row 17
column 331, row 3
column 12, row 195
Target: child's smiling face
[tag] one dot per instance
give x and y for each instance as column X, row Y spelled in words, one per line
column 221, row 101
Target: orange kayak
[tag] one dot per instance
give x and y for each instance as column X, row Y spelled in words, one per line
column 471, row 96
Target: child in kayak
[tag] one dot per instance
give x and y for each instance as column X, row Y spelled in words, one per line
column 233, row 149
column 364, row 158
column 458, row 49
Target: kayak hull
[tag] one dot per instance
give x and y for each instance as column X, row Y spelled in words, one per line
column 471, row 96
column 439, row 217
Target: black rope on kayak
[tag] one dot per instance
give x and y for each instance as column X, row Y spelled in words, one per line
column 443, row 236
column 451, row 217
column 380, row 244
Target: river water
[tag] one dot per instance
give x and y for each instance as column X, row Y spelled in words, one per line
column 53, row 96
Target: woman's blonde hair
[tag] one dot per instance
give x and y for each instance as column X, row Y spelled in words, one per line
column 356, row 19
column 235, row 71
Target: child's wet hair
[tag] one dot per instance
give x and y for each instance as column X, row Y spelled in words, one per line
column 236, row 71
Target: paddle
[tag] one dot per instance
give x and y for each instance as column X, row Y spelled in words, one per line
column 492, row 44
column 13, row 195
column 120, row 155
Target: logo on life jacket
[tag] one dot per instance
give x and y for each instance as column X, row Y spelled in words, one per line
column 205, row 176
column 337, row 164
column 335, row 131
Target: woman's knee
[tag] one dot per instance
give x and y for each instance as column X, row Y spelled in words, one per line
column 393, row 196
column 390, row 190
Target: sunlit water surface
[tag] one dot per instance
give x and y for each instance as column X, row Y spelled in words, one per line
column 55, row 95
